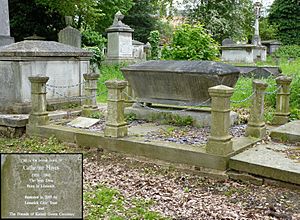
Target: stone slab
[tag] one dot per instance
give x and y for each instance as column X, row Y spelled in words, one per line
column 289, row 132
column 200, row 117
column 83, row 122
column 47, row 186
column 269, row 161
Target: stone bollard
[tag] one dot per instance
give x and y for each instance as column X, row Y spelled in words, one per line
column 219, row 141
column 90, row 104
column 39, row 114
column 129, row 96
column 282, row 101
column 116, row 126
column 256, row 125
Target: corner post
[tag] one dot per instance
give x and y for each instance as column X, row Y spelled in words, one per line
column 116, row 126
column 39, row 114
column 282, row 100
column 256, row 125
column 90, row 103
column 219, row 141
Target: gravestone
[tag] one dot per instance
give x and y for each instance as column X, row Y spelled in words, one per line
column 119, row 41
column 227, row 41
column 5, row 37
column 47, row 186
column 70, row 35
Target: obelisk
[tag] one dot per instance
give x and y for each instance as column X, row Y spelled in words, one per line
column 5, row 37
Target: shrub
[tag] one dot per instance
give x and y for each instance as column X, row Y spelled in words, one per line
column 290, row 51
column 154, row 39
column 94, row 42
column 191, row 42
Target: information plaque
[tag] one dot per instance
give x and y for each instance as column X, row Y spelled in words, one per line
column 41, row 186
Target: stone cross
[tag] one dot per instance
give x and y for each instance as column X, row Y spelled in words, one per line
column 256, row 38
column 5, row 38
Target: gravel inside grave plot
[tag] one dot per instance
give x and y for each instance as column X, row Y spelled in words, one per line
column 189, row 134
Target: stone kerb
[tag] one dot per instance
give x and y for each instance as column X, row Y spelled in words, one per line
column 90, row 103
column 219, row 141
column 282, row 100
column 39, row 114
column 256, row 125
column 116, row 126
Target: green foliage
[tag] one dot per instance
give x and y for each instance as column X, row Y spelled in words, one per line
column 140, row 18
column 32, row 144
column 86, row 11
column 224, row 18
column 108, row 72
column 191, row 42
column 172, row 119
column 110, row 8
column 289, row 51
column 130, row 117
column 154, row 39
column 285, row 14
column 28, row 18
column 94, row 42
column 107, row 203
column 295, row 92
column 266, row 30
column 96, row 114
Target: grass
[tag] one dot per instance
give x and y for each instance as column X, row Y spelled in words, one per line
column 106, row 203
column 107, row 72
column 32, row 144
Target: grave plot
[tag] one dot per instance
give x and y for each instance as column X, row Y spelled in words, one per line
column 211, row 149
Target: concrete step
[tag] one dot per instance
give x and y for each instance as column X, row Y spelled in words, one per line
column 269, row 161
column 289, row 132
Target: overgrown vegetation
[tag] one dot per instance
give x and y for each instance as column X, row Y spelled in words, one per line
column 285, row 14
column 106, row 203
column 154, row 39
column 108, row 72
column 191, row 42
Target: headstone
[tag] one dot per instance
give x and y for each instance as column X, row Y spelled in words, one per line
column 47, row 186
column 227, row 41
column 119, row 41
column 83, row 122
column 70, row 35
column 5, row 37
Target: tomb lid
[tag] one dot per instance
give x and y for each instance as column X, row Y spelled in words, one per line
column 135, row 42
column 36, row 48
column 195, row 67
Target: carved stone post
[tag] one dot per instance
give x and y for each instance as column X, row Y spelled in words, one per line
column 282, row 101
column 116, row 126
column 39, row 114
column 256, row 124
column 90, row 103
column 219, row 141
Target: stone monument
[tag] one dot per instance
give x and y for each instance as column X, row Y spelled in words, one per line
column 70, row 35
column 119, row 41
column 63, row 64
column 256, row 38
column 5, row 37
column 247, row 53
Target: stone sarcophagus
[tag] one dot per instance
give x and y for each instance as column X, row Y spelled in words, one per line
column 183, row 83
